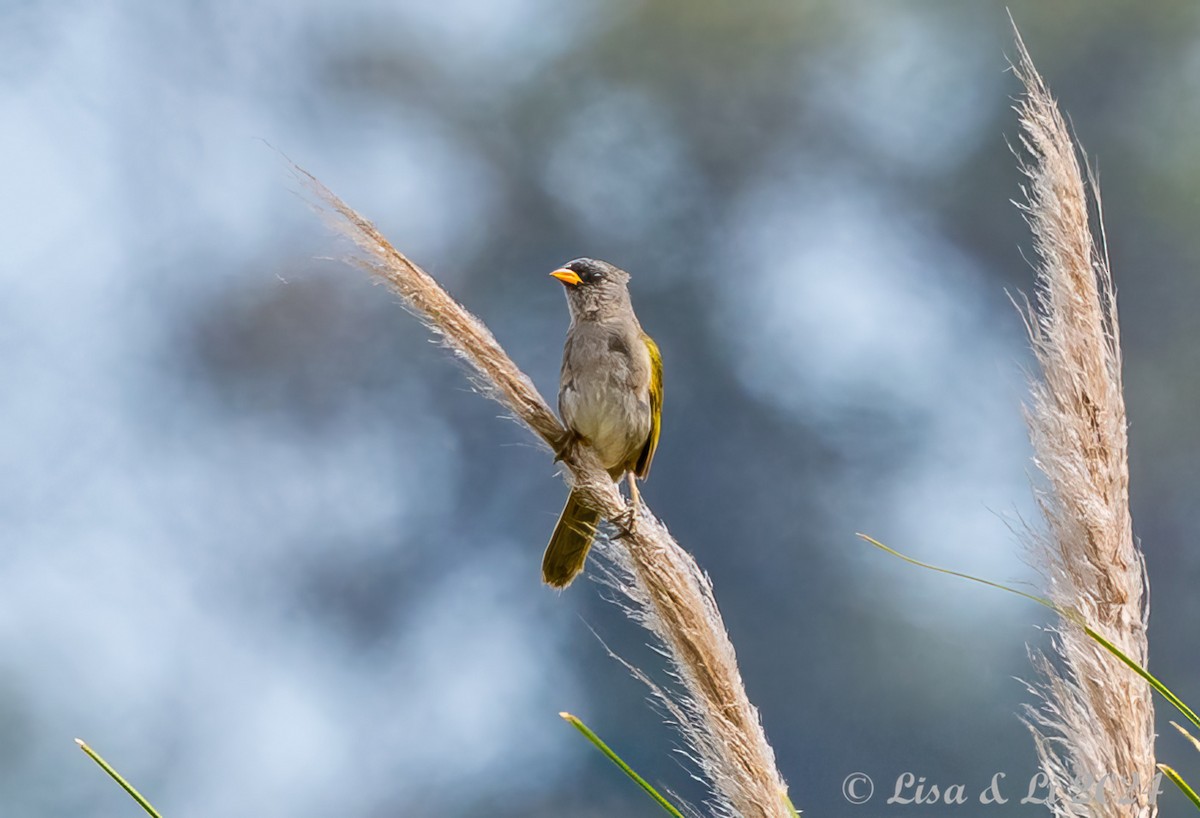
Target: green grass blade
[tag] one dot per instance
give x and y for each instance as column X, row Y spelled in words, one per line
column 1145, row 674
column 787, row 800
column 116, row 776
column 616, row 759
column 1183, row 785
column 1066, row 613
column 1041, row 600
column 1195, row 742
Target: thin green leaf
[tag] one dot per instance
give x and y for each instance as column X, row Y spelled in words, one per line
column 787, row 800
column 616, row 759
column 1145, row 674
column 911, row 561
column 1179, row 782
column 104, row 765
column 1195, row 742
column 1066, row 613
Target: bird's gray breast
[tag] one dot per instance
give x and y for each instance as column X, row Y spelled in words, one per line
column 605, row 388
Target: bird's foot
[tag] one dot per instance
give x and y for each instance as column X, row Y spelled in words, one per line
column 568, row 444
column 626, row 522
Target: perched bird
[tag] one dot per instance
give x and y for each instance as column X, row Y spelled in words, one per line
column 609, row 396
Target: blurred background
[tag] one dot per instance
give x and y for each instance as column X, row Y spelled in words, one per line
column 262, row 546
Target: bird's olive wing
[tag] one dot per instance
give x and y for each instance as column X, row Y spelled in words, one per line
column 656, row 398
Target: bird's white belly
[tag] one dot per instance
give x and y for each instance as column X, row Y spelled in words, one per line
column 613, row 421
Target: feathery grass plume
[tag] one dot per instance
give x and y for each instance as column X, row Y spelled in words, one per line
column 1095, row 718
column 674, row 598
column 666, row 592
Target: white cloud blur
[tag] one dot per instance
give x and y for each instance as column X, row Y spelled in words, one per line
column 845, row 308
column 907, row 87
column 143, row 536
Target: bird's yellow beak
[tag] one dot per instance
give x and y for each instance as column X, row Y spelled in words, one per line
column 567, row 277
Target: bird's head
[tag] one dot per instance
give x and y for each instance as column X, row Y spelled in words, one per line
column 595, row 289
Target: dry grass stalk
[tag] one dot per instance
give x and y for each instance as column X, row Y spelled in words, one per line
column 667, row 593
column 674, row 597
column 1095, row 717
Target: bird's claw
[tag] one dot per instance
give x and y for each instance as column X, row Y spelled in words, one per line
column 626, row 521
column 566, row 445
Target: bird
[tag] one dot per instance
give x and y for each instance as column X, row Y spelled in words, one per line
column 610, row 398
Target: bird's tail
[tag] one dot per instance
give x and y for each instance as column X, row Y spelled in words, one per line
column 569, row 544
